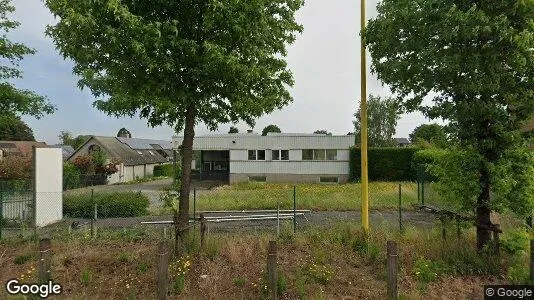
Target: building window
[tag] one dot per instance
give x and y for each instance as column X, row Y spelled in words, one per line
column 257, row 178
column 256, row 154
column 307, row 154
column 319, row 154
column 251, row 154
column 280, row 155
column 331, row 154
column 328, row 179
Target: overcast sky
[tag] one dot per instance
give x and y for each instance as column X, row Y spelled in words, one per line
column 325, row 61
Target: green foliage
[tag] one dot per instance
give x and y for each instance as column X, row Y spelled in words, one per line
column 433, row 134
column 423, row 159
column 66, row 138
column 22, row 259
column 474, row 61
column 15, row 168
column 322, row 131
column 86, row 277
column 515, row 241
column 110, row 205
column 240, row 281
column 12, row 128
column 385, row 164
column 233, row 130
column 163, row 170
column 71, row 176
column 281, row 283
column 458, row 177
column 12, row 100
column 178, row 270
column 382, row 117
column 426, row 270
column 270, row 128
column 124, row 257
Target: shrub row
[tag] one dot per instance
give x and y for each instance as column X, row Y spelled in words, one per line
column 110, row 205
column 167, row 170
column 384, row 164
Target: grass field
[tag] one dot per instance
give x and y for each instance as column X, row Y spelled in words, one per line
column 323, row 197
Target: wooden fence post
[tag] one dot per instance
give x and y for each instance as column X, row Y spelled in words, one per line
column 43, row 265
column 496, row 231
column 163, row 270
column 272, row 274
column 202, row 229
column 392, row 261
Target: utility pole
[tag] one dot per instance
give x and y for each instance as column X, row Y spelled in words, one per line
column 363, row 129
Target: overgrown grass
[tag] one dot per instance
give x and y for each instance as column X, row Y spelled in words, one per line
column 315, row 262
column 323, row 197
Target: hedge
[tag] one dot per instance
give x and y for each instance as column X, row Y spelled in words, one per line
column 384, row 164
column 423, row 158
column 166, row 170
column 110, row 205
column 71, row 176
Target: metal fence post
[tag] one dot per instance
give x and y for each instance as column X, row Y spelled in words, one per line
column 294, row 209
column 423, row 188
column 400, row 208
column 202, row 230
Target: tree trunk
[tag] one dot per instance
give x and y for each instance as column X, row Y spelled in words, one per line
column 181, row 217
column 483, row 211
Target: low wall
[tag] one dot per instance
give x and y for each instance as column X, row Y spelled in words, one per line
column 295, row 178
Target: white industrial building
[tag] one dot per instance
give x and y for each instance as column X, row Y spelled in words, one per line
column 277, row 157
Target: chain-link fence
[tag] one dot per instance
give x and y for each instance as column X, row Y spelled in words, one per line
column 17, row 205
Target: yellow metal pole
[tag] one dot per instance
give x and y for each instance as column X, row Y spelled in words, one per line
column 363, row 123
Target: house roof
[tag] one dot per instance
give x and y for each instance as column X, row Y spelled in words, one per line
column 133, row 151
column 67, row 150
column 401, row 140
column 20, row 148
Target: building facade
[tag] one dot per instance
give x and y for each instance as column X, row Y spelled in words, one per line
column 277, row 157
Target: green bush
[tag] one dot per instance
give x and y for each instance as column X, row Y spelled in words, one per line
column 167, row 170
column 423, row 158
column 71, row 176
column 385, row 164
column 110, row 205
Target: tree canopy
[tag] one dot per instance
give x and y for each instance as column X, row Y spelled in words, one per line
column 474, row 61
column 66, row 138
column 233, row 130
column 180, row 62
column 433, row 134
column 382, row 117
column 270, row 128
column 13, row 100
column 322, row 131
column 12, row 128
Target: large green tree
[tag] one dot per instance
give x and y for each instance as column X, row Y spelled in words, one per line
column 66, row 138
column 382, row 117
column 13, row 100
column 433, row 134
column 474, row 61
column 180, row 62
column 12, row 128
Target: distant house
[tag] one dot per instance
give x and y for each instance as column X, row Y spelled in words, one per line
column 276, row 157
column 66, row 150
column 137, row 156
column 402, row 142
column 19, row 148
